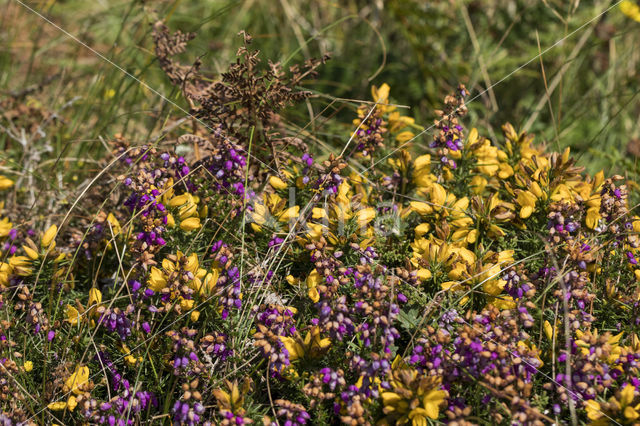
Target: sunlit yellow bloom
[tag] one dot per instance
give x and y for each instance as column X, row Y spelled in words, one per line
column 171, row 222
column 289, row 214
column 21, row 265
column 95, row 296
column 206, row 286
column 57, row 406
column 5, row 271
column 5, row 182
column 405, row 136
column 631, row 9
column 413, row 398
column 115, row 225
column 72, row 315
column 364, row 216
column 312, row 283
column 593, row 217
column 187, row 304
column 549, row 330
column 5, row 227
column 381, row 95
column 190, row 224
column 312, row 345
column 48, row 236
column 78, row 381
column 31, row 253
column 178, row 200
column 277, row 183
column 527, row 202
column 28, row 366
column 157, row 280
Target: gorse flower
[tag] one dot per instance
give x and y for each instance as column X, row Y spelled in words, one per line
column 412, row 398
column 631, row 9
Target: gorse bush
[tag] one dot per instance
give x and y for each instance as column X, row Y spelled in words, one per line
column 248, row 276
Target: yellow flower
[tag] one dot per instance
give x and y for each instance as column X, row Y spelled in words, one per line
column 157, row 280
column 277, row 183
column 195, row 315
column 28, row 366
column 95, row 296
column 171, row 222
column 364, row 216
column 5, row 182
column 549, row 331
column 312, row 282
column 78, row 381
column 405, row 136
column 190, row 224
column 205, row 286
column 312, row 344
column 289, row 214
column 631, row 9
column 71, row 403
column 593, row 409
column 131, row 360
column 5, row 227
column 527, row 201
column 115, row 225
column 422, row 208
column 233, row 399
column 5, row 271
column 57, row 406
column 21, row 265
column 31, row 253
column 72, row 315
column 381, row 95
column 48, row 237
column 413, row 397
column 593, row 217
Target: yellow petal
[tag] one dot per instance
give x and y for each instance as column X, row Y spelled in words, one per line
column 5, row 183
column 157, row 280
column 626, row 396
column 364, row 216
column 405, row 136
column 313, row 295
column 48, row 236
column 423, row 274
column 71, row 403
column 31, row 253
column 422, row 229
column 421, row 208
column 438, row 195
column 95, row 296
column 289, row 214
column 277, row 183
column 77, row 380
column 526, row 212
column 72, row 315
column 57, row 406
column 179, row 200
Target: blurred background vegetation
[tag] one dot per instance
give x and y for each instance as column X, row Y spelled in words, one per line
column 561, row 69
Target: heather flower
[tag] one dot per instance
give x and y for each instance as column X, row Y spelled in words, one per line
column 291, row 414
